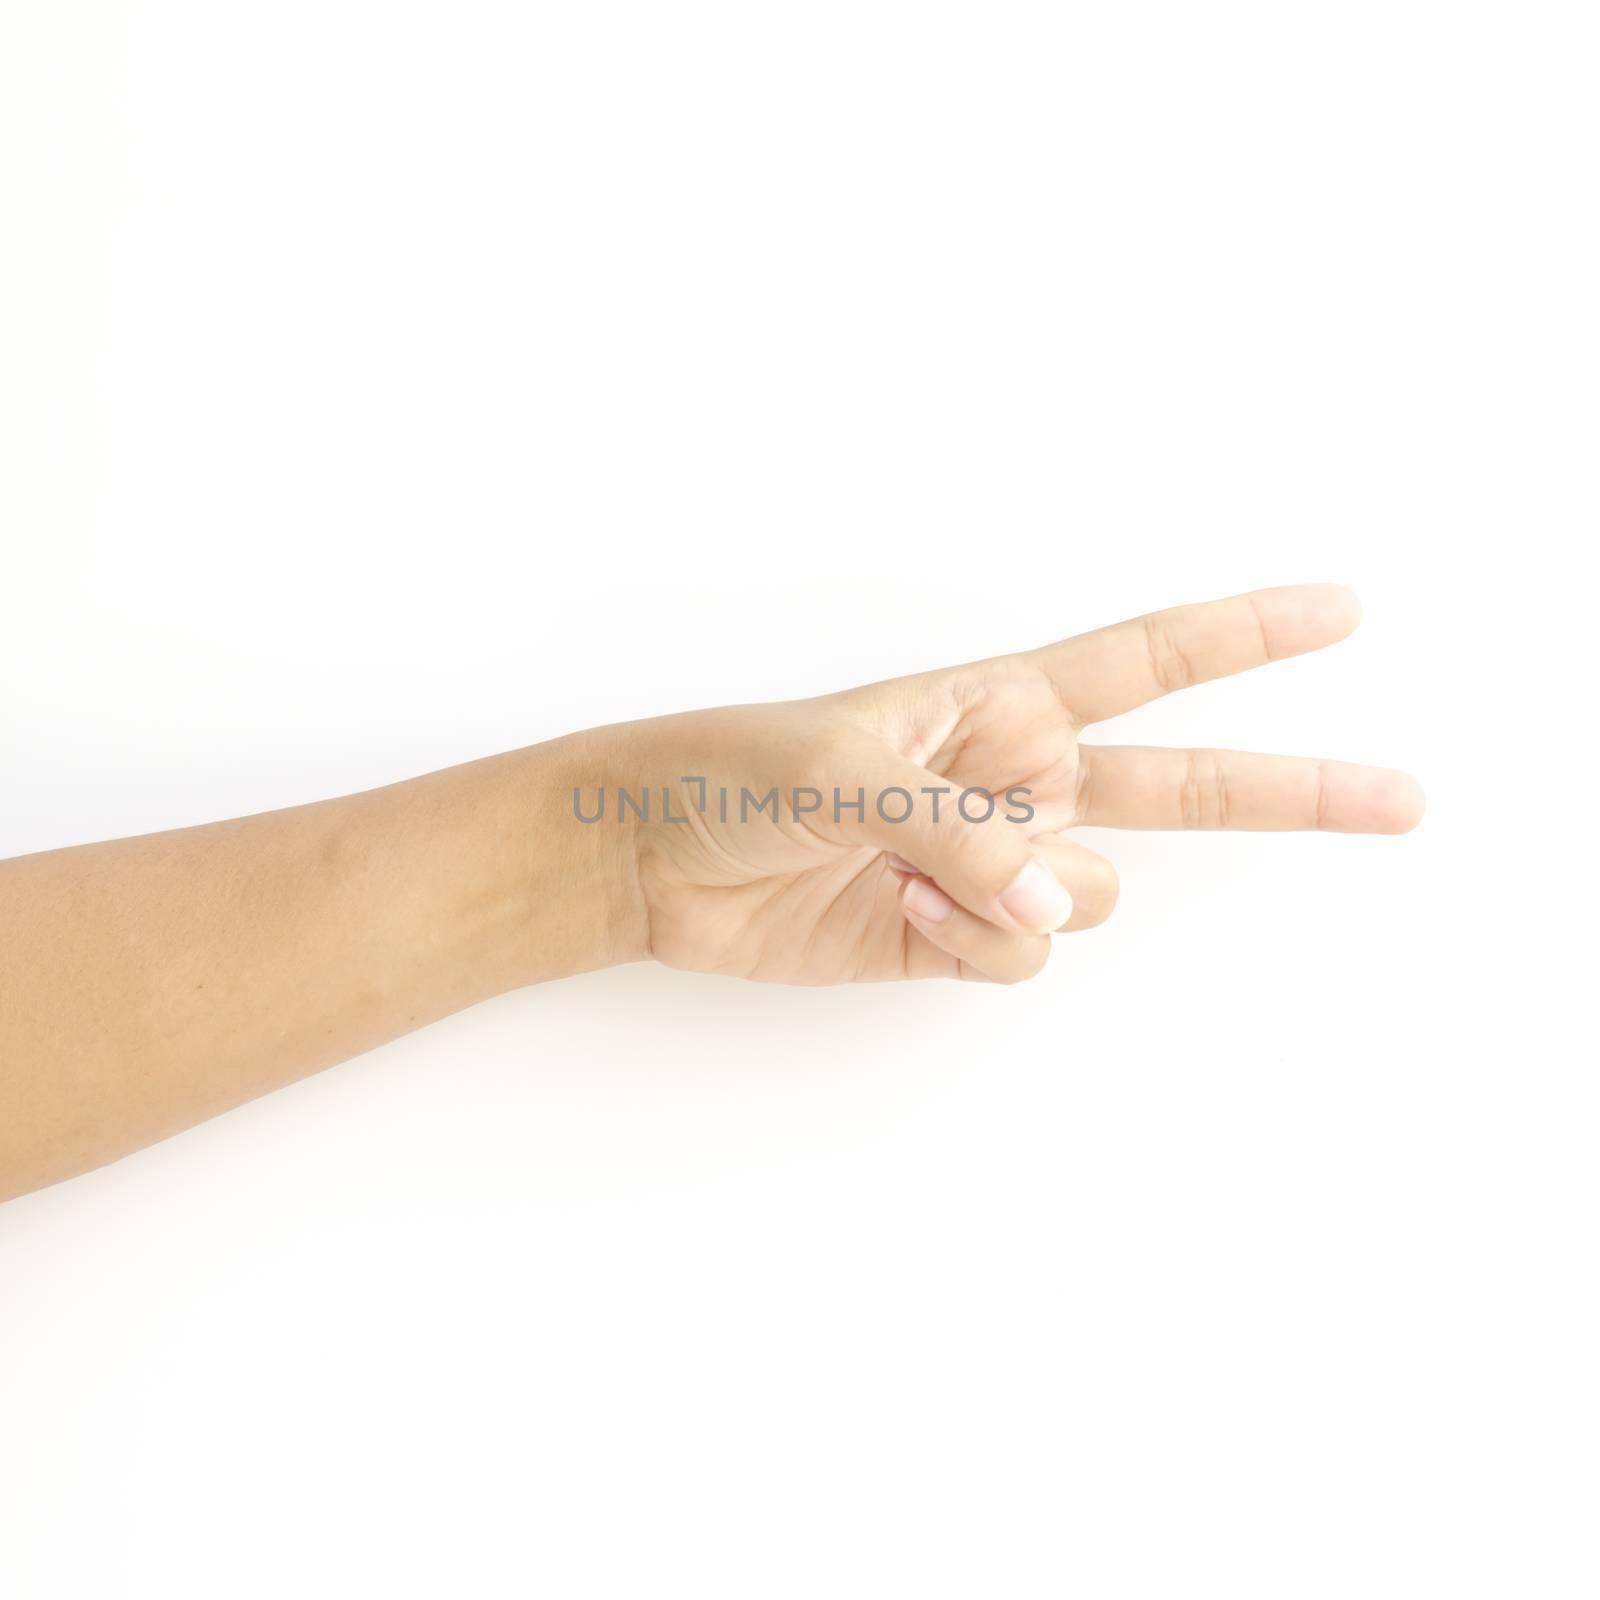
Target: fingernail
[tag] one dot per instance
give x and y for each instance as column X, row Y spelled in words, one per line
column 1035, row 900
column 923, row 899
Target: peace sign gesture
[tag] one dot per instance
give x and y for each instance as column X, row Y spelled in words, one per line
column 964, row 871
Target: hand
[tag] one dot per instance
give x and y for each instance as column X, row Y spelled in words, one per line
column 915, row 830
column 829, row 892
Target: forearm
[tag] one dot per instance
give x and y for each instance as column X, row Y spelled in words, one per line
column 148, row 983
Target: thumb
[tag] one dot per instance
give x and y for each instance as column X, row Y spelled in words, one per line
column 961, row 838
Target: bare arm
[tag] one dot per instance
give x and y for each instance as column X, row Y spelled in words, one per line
column 146, row 984
column 149, row 983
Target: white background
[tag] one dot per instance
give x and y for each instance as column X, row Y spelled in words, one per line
column 382, row 385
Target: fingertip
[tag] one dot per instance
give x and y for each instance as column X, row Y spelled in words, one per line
column 1304, row 616
column 1407, row 804
column 925, row 901
column 1373, row 800
column 1333, row 609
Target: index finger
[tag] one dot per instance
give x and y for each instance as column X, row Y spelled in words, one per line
column 1112, row 670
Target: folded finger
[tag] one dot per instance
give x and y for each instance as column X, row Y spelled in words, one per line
column 981, row 860
column 1088, row 877
column 948, row 941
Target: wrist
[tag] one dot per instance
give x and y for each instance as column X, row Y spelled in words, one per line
column 577, row 883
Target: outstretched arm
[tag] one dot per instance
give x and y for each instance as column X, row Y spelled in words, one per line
column 149, row 983
column 912, row 828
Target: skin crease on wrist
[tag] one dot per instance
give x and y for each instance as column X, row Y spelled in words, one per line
column 149, row 983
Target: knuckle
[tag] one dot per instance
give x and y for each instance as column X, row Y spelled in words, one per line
column 1203, row 796
column 1169, row 666
column 1100, row 888
column 1083, row 790
column 1028, row 962
column 1111, row 888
